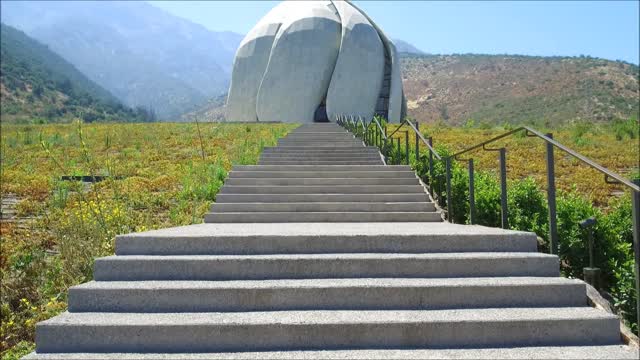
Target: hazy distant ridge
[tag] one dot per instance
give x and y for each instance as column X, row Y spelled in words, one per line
column 38, row 85
column 141, row 54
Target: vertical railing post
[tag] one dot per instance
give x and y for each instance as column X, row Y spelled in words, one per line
column 367, row 135
column 383, row 150
column 472, row 194
column 399, row 151
column 417, row 143
column 448, row 180
column 431, row 170
column 406, row 146
column 503, row 188
column 635, row 212
column 551, row 198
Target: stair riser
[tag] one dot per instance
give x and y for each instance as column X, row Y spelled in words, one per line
column 288, row 198
column 334, row 162
column 110, row 269
column 319, row 137
column 305, row 150
column 311, row 142
column 326, row 181
column 320, row 157
column 323, row 174
column 323, row 155
column 260, row 245
column 327, row 298
column 330, row 136
column 328, row 168
column 239, row 337
column 312, row 189
column 323, row 207
column 309, row 217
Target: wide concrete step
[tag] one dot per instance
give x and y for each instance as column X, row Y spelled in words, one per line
column 323, row 207
column 327, row 149
column 316, row 162
column 528, row 352
column 310, row 141
column 325, row 329
column 321, row 181
column 324, row 157
column 302, row 150
column 307, row 135
column 318, row 238
column 320, row 144
column 325, row 294
column 326, row 168
column 319, row 131
column 288, row 198
column 319, row 189
column 355, row 174
column 316, row 266
column 305, row 217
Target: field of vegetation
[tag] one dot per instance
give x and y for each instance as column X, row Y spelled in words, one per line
column 167, row 174
column 161, row 175
column 615, row 145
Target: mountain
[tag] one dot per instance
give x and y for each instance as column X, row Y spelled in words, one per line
column 37, row 84
column 141, row 54
column 404, row 47
column 518, row 89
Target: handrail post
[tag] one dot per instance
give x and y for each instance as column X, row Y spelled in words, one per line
column 449, row 203
column 406, row 146
column 366, row 136
column 472, row 194
column 375, row 135
column 417, row 143
column 635, row 212
column 383, row 150
column 399, row 150
column 431, row 170
column 551, row 198
column 503, row 188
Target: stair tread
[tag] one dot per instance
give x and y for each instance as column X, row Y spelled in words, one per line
column 529, row 352
column 328, row 317
column 327, row 283
column 332, row 256
column 424, row 230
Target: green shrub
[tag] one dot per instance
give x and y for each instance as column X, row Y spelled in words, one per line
column 487, row 194
column 528, row 207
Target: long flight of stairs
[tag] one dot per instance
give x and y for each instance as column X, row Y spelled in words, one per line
column 328, row 260
column 321, row 173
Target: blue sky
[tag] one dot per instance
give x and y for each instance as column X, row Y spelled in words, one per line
column 606, row 29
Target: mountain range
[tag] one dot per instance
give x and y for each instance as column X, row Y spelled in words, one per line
column 150, row 59
column 519, row 89
column 37, row 85
column 141, row 54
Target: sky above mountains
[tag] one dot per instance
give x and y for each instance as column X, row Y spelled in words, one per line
column 606, row 29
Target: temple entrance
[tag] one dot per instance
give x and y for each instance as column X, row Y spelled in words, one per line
column 320, row 115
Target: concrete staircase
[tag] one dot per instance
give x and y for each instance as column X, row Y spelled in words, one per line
column 255, row 281
column 321, row 173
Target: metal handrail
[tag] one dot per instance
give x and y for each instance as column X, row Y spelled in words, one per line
column 419, row 135
column 610, row 174
column 551, row 191
column 379, row 126
column 380, row 138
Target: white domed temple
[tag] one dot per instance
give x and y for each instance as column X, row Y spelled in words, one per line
column 315, row 61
